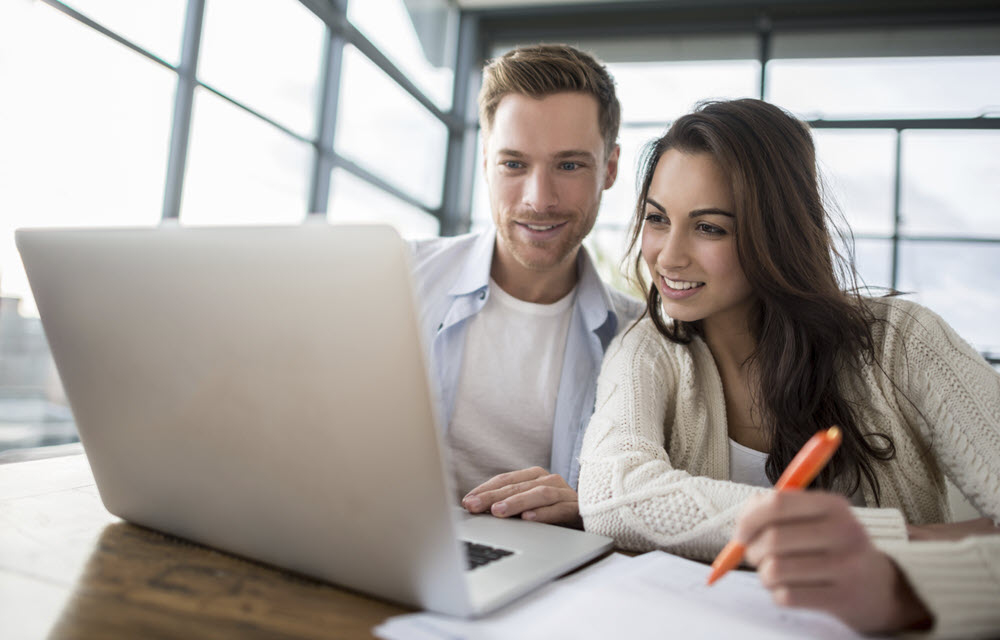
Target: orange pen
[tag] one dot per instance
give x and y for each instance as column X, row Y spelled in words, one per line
column 805, row 466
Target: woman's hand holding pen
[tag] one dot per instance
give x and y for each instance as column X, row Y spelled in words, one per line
column 810, row 551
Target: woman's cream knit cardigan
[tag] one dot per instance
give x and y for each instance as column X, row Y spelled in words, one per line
column 655, row 458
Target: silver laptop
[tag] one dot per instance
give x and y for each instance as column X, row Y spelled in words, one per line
column 264, row 391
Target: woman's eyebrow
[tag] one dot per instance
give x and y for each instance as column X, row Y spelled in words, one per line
column 710, row 211
column 655, row 204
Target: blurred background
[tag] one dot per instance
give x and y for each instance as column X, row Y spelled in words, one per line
column 214, row 112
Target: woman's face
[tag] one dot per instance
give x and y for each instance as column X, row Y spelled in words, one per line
column 689, row 241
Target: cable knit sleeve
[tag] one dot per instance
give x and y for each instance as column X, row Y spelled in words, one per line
column 958, row 582
column 952, row 395
column 629, row 489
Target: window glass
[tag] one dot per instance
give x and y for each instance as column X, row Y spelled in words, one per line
column 154, row 25
column 384, row 129
column 873, row 260
column 858, row 169
column 850, row 88
column 265, row 55
column 352, row 200
column 949, row 278
column 101, row 162
column 607, row 248
column 242, row 170
column 618, row 202
column 950, row 183
column 85, row 125
column 419, row 38
column 663, row 91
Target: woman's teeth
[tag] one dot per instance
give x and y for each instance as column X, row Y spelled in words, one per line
column 681, row 285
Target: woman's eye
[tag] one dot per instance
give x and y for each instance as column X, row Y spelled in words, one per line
column 655, row 218
column 711, row 229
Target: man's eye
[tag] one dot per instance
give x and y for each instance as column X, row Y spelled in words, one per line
column 569, row 166
column 512, row 164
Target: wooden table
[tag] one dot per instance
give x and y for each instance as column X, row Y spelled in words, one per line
column 70, row 569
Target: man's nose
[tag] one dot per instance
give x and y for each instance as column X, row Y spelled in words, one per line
column 540, row 192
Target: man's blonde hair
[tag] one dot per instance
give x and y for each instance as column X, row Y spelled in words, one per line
column 541, row 70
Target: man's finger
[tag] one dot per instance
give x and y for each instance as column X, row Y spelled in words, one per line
column 480, row 502
column 535, row 497
column 511, row 477
column 566, row 513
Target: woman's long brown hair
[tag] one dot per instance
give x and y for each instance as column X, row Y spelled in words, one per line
column 808, row 329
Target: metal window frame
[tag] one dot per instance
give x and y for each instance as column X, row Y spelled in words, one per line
column 480, row 29
column 727, row 17
column 452, row 213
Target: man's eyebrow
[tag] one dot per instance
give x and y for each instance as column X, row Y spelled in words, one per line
column 575, row 153
column 561, row 155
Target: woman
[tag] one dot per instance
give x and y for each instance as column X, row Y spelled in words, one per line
column 750, row 345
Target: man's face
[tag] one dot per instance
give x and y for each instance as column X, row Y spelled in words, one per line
column 546, row 168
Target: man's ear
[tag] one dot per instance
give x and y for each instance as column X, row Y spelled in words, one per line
column 484, row 150
column 612, row 167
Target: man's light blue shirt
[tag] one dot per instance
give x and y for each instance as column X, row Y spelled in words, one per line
column 452, row 283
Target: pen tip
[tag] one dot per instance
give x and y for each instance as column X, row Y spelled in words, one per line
column 833, row 433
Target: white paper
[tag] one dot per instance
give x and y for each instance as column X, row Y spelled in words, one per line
column 655, row 595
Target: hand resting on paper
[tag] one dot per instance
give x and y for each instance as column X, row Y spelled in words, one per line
column 533, row 494
column 811, row 552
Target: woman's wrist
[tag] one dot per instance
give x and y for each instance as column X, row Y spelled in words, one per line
column 910, row 613
column 951, row 530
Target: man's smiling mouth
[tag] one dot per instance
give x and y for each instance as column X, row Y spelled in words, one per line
column 540, row 227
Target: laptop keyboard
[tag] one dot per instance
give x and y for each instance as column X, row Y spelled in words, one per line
column 479, row 555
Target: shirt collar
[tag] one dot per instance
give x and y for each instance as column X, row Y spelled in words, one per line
column 592, row 297
column 475, row 274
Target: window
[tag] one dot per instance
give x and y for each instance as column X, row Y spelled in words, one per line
column 388, row 132
column 419, row 38
column 352, row 200
column 266, row 55
column 155, row 25
column 86, row 128
column 241, row 170
column 97, row 130
column 949, row 183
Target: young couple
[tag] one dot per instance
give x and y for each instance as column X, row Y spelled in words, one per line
column 749, row 343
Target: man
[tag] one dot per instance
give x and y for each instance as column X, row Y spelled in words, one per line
column 516, row 318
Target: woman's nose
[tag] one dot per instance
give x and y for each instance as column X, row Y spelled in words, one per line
column 673, row 252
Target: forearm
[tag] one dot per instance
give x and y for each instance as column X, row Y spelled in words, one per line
column 644, row 503
column 957, row 582
column 952, row 530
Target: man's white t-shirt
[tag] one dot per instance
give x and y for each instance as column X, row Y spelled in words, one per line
column 506, row 397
